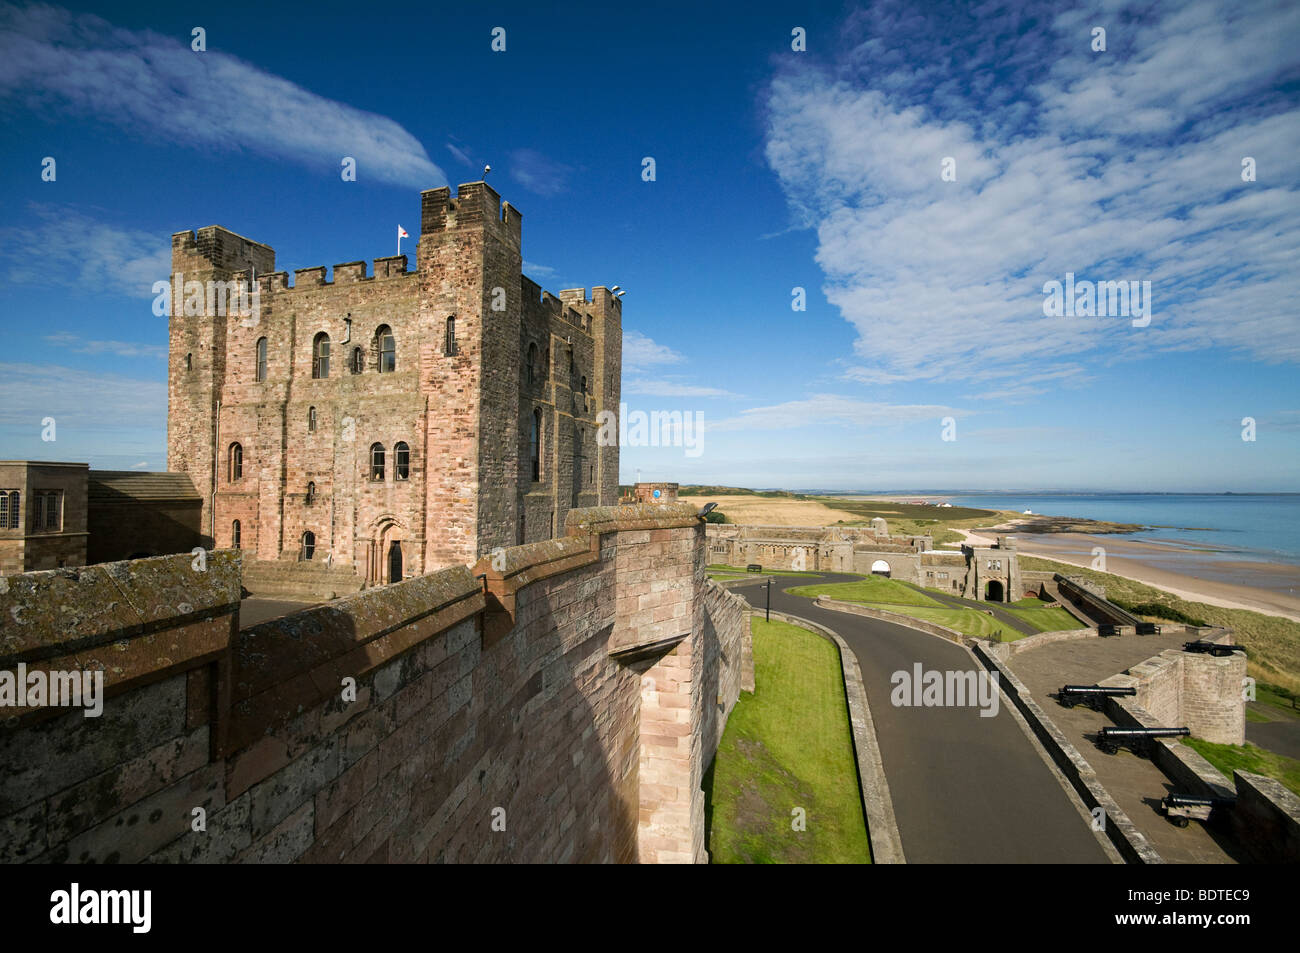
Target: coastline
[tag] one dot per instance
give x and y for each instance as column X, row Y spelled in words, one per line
column 1200, row 579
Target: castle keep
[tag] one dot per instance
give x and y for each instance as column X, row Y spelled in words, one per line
column 391, row 423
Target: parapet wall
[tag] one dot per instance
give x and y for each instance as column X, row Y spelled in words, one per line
column 1199, row 691
column 545, row 705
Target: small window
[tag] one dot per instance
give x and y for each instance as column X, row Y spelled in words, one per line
column 320, row 356
column 584, row 385
column 235, row 535
column 308, row 544
column 53, row 510
column 311, row 419
column 386, row 345
column 401, row 461
column 4, row 509
column 535, row 446
column 450, row 346
column 189, row 362
column 261, row 358
column 15, row 509
column 311, row 492
column 377, row 462
column 358, row 360
column 532, row 364
column 235, row 469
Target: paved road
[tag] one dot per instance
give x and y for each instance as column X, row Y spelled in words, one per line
column 966, row 789
column 999, row 613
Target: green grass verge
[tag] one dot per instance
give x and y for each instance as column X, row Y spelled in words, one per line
column 788, row 745
column 1249, row 757
column 1273, row 643
column 741, row 570
column 1044, row 619
column 868, row 589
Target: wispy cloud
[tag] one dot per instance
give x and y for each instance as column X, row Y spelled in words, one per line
column 119, row 348
column 667, row 387
column 534, row 270
column 538, row 173
column 157, row 87
column 641, row 352
column 88, row 255
column 1124, row 165
column 79, row 399
column 819, row 410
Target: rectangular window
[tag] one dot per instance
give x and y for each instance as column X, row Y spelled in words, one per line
column 4, row 509
column 47, row 510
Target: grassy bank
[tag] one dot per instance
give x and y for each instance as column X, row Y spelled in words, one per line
column 787, row 746
column 1249, row 757
column 1272, row 643
column 874, row 589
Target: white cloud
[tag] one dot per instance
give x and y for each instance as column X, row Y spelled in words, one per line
column 671, row 388
column 157, row 87
column 86, row 254
column 819, row 410
column 641, row 352
column 119, row 348
column 79, row 400
column 1126, row 168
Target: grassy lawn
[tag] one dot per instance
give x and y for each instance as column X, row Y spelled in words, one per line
column 1249, row 757
column 968, row 621
column 741, row 570
column 1272, row 642
column 1044, row 619
column 786, row 746
column 868, row 589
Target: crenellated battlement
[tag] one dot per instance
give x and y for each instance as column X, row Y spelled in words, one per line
column 475, row 204
column 215, row 248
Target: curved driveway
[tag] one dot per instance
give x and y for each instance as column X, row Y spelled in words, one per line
column 966, row 789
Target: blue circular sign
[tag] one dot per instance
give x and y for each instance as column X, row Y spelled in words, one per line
column 656, row 494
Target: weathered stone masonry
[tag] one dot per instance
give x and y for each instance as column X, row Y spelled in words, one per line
column 478, row 351
column 574, row 693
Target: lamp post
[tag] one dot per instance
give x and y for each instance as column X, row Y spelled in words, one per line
column 768, row 617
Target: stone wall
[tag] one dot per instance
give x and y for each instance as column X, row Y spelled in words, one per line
column 1193, row 690
column 560, row 710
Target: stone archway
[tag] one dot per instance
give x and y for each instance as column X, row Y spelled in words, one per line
column 993, row 591
column 385, row 533
column 880, row 568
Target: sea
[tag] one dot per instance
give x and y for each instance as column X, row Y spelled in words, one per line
column 1255, row 527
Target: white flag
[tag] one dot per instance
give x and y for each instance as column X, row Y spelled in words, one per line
column 401, row 232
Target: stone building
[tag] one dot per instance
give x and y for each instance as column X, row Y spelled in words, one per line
column 990, row 573
column 42, row 515
column 390, row 423
column 55, row 515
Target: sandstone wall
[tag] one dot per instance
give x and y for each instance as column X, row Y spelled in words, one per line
column 562, row 709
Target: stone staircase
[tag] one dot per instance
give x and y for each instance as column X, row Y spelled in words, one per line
column 299, row 581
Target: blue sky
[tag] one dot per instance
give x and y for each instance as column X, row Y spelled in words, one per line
column 775, row 169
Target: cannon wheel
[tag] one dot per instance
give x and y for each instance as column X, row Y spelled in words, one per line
column 1108, row 747
column 1181, row 821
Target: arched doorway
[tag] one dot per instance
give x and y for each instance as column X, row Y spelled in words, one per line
column 880, row 568
column 395, row 561
column 993, row 591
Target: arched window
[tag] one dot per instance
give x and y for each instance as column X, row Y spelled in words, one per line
column 377, row 462
column 386, row 345
column 450, row 347
column 235, row 535
column 235, row 469
column 535, row 446
column 584, row 385
column 401, row 461
column 532, row 363
column 311, row 492
column 261, row 358
column 311, row 419
column 15, row 509
column 189, row 362
column 358, row 361
column 320, row 356
column 308, row 544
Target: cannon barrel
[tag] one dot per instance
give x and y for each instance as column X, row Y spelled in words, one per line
column 1189, row 800
column 1096, row 690
column 1122, row 733
column 1203, row 647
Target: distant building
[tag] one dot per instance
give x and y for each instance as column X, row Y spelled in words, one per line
column 652, row 493
column 55, row 515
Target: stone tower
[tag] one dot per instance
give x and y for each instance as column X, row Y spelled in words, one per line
column 395, row 422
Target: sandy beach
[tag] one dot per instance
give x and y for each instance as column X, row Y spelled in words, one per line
column 1272, row 588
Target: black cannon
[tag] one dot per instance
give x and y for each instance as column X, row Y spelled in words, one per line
column 1110, row 740
column 1181, row 808
column 1204, row 647
column 1090, row 695
column 1107, row 629
column 1148, row 628
column 754, row 567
